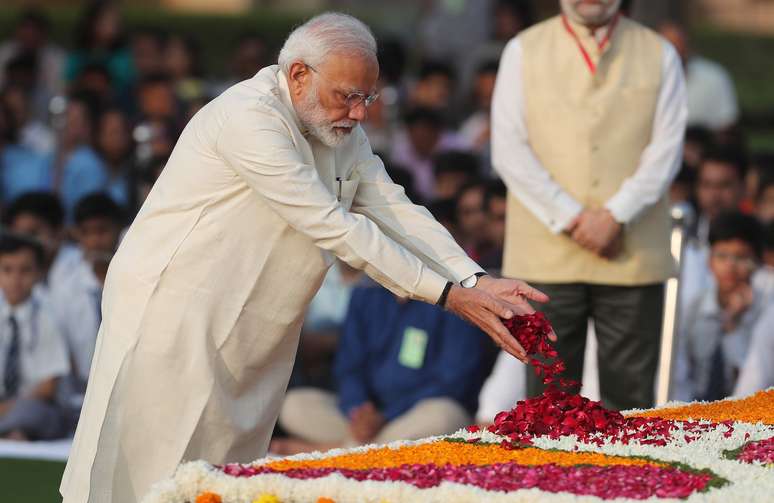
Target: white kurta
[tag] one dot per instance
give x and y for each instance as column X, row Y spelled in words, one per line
column 205, row 297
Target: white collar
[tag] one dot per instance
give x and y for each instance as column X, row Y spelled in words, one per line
column 21, row 311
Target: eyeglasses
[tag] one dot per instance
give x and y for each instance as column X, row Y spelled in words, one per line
column 353, row 99
column 737, row 260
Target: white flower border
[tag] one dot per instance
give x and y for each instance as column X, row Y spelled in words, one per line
column 748, row 482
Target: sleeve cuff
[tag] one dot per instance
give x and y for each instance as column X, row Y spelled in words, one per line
column 462, row 267
column 430, row 286
column 622, row 212
column 567, row 209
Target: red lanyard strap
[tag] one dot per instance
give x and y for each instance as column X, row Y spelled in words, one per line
column 601, row 46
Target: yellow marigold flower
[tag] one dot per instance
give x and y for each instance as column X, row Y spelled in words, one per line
column 266, row 498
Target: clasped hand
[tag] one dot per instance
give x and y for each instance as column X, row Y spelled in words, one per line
column 596, row 230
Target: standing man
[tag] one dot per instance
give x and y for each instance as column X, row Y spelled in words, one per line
column 588, row 121
column 204, row 299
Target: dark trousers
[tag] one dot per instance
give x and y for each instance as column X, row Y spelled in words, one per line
column 627, row 321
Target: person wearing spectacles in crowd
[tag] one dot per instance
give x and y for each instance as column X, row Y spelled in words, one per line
column 716, row 329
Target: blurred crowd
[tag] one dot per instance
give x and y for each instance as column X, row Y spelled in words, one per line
column 86, row 130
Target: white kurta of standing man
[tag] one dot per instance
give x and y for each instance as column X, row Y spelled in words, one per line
column 204, row 300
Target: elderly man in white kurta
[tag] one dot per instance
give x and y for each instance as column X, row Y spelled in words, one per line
column 204, row 300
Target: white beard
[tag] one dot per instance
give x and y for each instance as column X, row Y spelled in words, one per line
column 313, row 117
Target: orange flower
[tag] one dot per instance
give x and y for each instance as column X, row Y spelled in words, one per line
column 456, row 453
column 324, row 500
column 753, row 409
column 208, row 498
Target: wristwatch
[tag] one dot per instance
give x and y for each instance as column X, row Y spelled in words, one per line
column 471, row 281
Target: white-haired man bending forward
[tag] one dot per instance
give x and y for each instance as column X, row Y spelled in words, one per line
column 204, row 300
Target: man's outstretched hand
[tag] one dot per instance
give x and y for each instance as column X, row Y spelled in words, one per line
column 493, row 300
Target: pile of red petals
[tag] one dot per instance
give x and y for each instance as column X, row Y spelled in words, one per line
column 761, row 451
column 560, row 411
column 556, row 413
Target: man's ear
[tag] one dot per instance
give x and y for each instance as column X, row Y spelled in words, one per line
column 297, row 77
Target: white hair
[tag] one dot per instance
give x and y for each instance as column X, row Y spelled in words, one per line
column 324, row 35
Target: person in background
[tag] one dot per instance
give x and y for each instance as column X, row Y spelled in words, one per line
column 698, row 140
column 405, row 370
column 100, row 39
column 381, row 125
column 495, row 208
column 77, row 302
column 94, row 80
column 414, row 147
column 471, row 218
column 322, row 327
column 710, row 90
column 148, row 50
column 182, row 61
column 148, row 175
column 75, row 169
column 717, row 326
column 763, row 278
column 445, row 211
column 32, row 351
column 156, row 99
column 21, row 169
column 434, row 87
column 761, row 165
column 508, row 19
column 683, row 187
column 719, row 188
column 475, row 130
column 40, row 216
column 757, row 372
column 31, row 38
column 764, row 196
column 250, row 53
column 452, row 170
column 588, row 165
column 116, row 148
column 34, row 134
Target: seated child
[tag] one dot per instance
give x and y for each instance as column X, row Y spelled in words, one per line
column 715, row 332
column 32, row 351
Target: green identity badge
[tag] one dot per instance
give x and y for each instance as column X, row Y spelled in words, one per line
column 413, row 347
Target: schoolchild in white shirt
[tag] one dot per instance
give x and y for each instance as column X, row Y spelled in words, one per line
column 32, row 352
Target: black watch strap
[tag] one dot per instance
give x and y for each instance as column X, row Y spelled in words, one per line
column 442, row 299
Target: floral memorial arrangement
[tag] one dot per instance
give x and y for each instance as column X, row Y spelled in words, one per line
column 556, row 447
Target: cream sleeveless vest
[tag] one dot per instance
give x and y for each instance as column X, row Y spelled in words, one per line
column 589, row 132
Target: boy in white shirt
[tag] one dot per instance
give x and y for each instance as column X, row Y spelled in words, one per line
column 40, row 215
column 715, row 333
column 32, row 351
column 98, row 224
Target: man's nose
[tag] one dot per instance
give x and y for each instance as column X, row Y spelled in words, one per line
column 359, row 112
